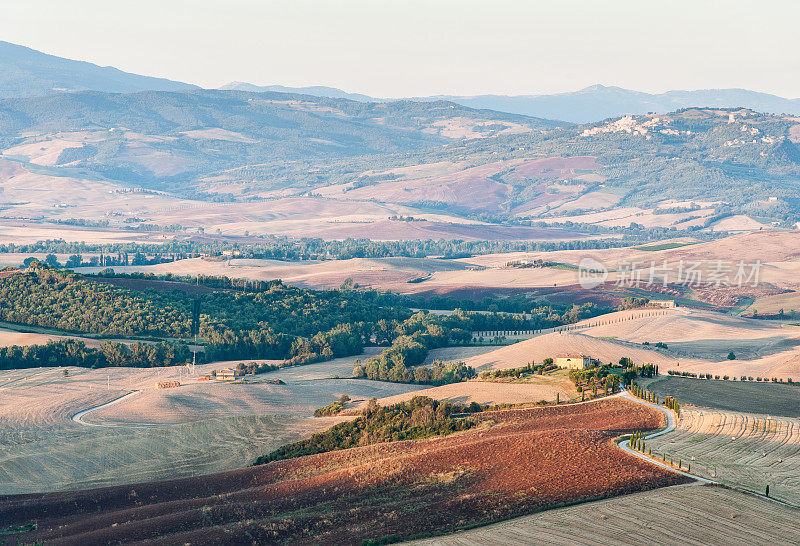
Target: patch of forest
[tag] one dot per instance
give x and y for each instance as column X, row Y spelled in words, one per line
column 265, row 320
column 421, row 417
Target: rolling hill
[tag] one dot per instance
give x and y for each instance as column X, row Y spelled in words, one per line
column 153, row 137
column 591, row 104
column 696, row 168
column 25, row 72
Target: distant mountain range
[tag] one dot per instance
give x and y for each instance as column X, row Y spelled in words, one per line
column 246, row 142
column 314, row 91
column 599, row 102
column 25, row 72
column 594, row 103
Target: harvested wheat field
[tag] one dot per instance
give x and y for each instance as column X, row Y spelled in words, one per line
column 772, row 305
column 211, row 399
column 10, row 337
column 683, row 514
column 696, row 334
column 682, row 326
column 310, row 274
column 197, row 428
column 515, row 462
column 777, row 250
column 539, row 388
column 698, row 341
column 743, row 450
column 552, row 344
column 77, row 457
column 767, row 397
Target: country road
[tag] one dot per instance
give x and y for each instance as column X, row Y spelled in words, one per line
column 78, row 417
column 625, row 444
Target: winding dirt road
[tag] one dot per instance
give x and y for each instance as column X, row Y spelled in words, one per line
column 78, row 417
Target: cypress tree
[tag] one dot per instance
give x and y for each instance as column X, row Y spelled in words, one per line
column 766, row 491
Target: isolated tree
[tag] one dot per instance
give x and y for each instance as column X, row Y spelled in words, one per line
column 731, row 356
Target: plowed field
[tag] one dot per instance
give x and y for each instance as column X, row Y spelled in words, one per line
column 515, row 462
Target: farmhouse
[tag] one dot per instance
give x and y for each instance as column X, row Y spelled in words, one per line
column 573, row 362
column 228, row 374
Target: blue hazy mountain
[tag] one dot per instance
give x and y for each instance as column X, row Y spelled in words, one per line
column 314, row 90
column 594, row 103
column 599, row 102
column 25, row 72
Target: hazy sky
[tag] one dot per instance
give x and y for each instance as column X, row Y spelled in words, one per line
column 411, row 47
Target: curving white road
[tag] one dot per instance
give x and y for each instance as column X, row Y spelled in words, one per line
column 625, row 445
column 78, row 417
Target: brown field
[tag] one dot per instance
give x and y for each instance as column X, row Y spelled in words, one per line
column 471, row 186
column 517, row 462
column 772, row 304
column 534, row 390
column 550, row 345
column 10, row 337
column 683, row 514
column 742, row 450
column 698, row 341
column 489, row 275
column 778, row 250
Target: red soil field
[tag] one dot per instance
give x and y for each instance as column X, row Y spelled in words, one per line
column 515, row 462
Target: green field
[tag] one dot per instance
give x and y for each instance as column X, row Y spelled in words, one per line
column 663, row 246
column 746, row 396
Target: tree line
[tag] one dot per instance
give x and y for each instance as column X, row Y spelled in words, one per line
column 70, row 352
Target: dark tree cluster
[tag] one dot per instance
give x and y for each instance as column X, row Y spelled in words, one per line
column 421, row 417
column 71, row 352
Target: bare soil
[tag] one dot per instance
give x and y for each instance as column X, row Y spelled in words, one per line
column 516, row 462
